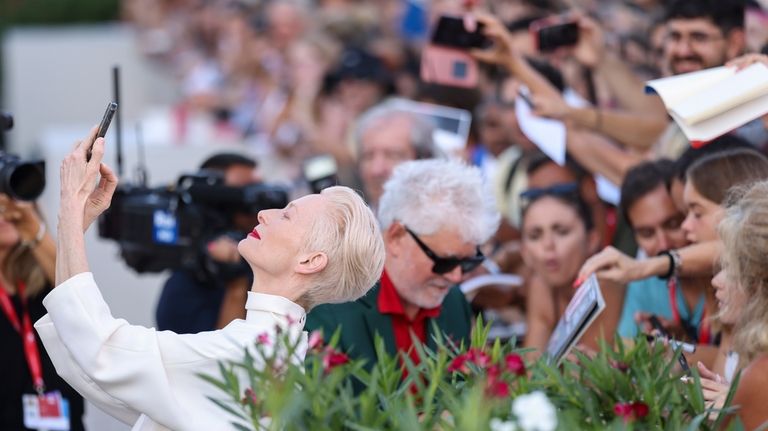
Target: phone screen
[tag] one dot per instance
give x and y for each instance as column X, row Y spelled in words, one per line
column 450, row 32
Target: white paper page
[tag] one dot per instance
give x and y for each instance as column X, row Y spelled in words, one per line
column 721, row 124
column 727, row 94
column 677, row 88
column 507, row 281
column 608, row 191
column 548, row 135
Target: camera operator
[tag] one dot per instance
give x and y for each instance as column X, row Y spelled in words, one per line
column 202, row 300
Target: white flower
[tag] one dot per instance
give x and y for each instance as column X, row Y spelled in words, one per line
column 534, row 412
column 500, row 425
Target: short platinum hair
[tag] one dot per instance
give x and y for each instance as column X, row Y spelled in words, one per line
column 422, row 129
column 428, row 195
column 349, row 235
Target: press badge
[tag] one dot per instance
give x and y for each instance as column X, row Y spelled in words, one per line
column 49, row 411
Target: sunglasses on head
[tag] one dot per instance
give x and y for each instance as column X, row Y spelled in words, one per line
column 443, row 265
column 565, row 190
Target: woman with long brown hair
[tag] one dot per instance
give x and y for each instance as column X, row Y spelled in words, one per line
column 27, row 260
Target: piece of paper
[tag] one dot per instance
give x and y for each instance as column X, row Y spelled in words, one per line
column 712, row 102
column 547, row 134
column 506, row 281
column 587, row 303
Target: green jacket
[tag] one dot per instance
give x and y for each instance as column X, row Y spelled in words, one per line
column 361, row 320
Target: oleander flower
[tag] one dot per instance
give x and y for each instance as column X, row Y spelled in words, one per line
column 498, row 388
column 315, row 341
column 515, row 364
column 631, row 411
column 263, row 339
column 333, row 359
column 535, row 412
column 459, row 364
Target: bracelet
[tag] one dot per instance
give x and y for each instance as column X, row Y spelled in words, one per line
column 675, row 263
column 37, row 239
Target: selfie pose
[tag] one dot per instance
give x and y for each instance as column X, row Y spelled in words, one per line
column 320, row 248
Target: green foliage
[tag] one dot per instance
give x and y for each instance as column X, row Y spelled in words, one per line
column 22, row 12
column 462, row 387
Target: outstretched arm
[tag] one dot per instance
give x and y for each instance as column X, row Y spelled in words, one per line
column 82, row 200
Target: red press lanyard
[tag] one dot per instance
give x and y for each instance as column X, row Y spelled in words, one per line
column 24, row 328
column 704, row 331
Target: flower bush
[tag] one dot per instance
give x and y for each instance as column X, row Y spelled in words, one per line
column 475, row 387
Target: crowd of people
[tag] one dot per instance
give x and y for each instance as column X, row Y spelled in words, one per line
column 679, row 241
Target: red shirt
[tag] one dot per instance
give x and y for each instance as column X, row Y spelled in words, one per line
column 390, row 303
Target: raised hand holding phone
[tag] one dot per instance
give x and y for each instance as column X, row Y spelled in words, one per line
column 106, row 120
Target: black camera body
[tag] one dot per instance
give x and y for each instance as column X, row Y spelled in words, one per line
column 21, row 180
column 169, row 227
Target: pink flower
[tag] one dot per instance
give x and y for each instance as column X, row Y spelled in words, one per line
column 479, row 357
column 498, row 389
column 641, row 409
column 316, row 340
column 631, row 411
column 249, row 397
column 333, row 359
column 621, row 366
column 290, row 320
column 459, row 364
column 515, row 364
column 263, row 339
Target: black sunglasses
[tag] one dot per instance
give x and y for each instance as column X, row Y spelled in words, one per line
column 565, row 190
column 443, row 265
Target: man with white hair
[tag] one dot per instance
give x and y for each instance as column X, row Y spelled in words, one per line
column 434, row 214
column 385, row 136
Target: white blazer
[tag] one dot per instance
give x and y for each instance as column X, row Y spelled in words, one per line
column 148, row 378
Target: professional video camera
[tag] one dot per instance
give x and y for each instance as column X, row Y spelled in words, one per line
column 21, row 180
column 168, row 227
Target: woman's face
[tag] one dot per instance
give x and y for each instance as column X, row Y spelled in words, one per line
column 731, row 297
column 275, row 245
column 555, row 241
column 700, row 224
column 9, row 235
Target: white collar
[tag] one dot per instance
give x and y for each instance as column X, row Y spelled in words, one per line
column 262, row 308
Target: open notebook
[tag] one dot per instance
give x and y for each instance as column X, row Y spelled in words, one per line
column 587, row 303
column 712, row 102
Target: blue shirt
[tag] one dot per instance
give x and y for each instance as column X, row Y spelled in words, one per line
column 651, row 295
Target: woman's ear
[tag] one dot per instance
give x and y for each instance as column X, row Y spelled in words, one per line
column 312, row 263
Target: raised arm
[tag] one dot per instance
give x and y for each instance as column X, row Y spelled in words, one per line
column 82, row 200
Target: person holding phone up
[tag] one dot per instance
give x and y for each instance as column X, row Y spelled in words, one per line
column 320, row 248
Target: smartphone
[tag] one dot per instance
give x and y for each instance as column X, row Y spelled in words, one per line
column 550, row 34
column 450, row 32
column 656, row 323
column 106, row 120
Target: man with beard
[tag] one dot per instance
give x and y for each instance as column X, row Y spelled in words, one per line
column 701, row 34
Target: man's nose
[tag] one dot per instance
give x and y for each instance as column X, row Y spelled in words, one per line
column 455, row 275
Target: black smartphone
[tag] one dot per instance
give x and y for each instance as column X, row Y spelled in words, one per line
column 656, row 323
column 450, row 32
column 551, row 37
column 106, row 120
